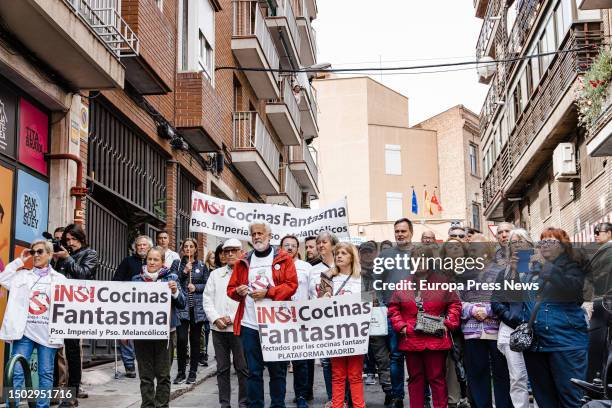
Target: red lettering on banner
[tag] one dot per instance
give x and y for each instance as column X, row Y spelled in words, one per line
column 81, row 294
column 206, row 206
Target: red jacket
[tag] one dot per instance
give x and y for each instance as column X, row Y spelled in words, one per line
column 284, row 277
column 403, row 311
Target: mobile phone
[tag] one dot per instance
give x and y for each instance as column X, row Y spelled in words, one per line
column 524, row 256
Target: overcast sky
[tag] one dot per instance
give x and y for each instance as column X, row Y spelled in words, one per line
column 358, row 33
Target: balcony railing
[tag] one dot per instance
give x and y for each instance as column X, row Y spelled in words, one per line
column 527, row 13
column 302, row 154
column 105, row 21
column 286, row 10
column 310, row 92
column 249, row 22
column 291, row 187
column 301, row 10
column 288, row 98
column 555, row 82
column 494, row 10
column 250, row 133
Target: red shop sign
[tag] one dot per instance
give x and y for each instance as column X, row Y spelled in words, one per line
column 33, row 136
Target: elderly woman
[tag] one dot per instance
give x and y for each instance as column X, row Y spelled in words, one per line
column 559, row 349
column 508, row 306
column 154, row 356
column 26, row 320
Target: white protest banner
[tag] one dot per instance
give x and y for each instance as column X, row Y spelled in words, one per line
column 317, row 328
column 110, row 310
column 231, row 219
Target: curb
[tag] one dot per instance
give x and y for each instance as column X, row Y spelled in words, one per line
column 210, row 372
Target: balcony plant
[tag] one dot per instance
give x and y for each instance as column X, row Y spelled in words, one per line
column 593, row 92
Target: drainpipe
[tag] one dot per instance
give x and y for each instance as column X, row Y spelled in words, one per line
column 77, row 191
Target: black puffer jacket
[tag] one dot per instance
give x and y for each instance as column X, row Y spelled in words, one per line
column 128, row 268
column 83, row 264
column 199, row 277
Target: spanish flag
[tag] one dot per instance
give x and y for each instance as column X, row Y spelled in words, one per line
column 427, row 204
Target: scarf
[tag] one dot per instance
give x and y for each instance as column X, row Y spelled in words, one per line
column 41, row 273
column 148, row 276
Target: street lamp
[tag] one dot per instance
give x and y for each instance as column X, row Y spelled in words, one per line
column 313, row 70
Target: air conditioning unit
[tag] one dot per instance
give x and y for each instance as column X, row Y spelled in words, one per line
column 564, row 162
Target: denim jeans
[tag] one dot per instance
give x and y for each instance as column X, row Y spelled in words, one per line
column 300, row 378
column 128, row 356
column 483, row 363
column 327, row 376
column 255, row 362
column 46, row 359
column 396, row 364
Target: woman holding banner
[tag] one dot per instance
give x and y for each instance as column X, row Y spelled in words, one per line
column 26, row 320
column 344, row 278
column 155, row 356
column 192, row 275
column 424, row 318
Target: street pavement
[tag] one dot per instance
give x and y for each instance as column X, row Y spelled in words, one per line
column 207, row 395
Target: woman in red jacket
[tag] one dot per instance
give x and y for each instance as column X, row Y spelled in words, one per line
column 425, row 353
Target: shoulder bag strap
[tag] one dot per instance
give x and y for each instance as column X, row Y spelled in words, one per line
column 343, row 284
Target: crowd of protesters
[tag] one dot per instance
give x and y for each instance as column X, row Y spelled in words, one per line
column 468, row 360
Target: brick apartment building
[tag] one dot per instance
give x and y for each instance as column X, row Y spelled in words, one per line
column 538, row 168
column 130, row 89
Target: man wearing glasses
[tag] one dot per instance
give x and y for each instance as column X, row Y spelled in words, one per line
column 457, row 232
column 301, row 377
column 220, row 311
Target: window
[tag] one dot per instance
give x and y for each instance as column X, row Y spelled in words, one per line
column 535, row 69
column 504, row 130
column 473, row 152
column 393, row 160
column 517, row 102
column 394, row 206
column 197, row 37
column 550, row 198
column 524, row 91
column 206, row 56
column 476, row 216
column 237, row 95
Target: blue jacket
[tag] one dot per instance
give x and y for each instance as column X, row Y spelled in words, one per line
column 199, row 277
column 165, row 276
column 508, row 304
column 560, row 324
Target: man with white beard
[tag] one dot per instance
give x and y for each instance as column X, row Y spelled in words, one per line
column 262, row 273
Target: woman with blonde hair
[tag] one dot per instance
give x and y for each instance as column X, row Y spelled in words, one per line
column 342, row 279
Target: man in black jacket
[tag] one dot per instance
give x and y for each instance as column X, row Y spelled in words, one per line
column 76, row 261
column 128, row 268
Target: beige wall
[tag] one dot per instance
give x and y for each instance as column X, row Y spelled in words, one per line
column 386, row 106
column 419, row 167
column 342, row 145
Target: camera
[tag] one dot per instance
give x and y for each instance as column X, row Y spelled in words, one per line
column 57, row 243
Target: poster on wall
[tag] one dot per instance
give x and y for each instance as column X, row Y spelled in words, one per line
column 8, row 121
column 6, row 214
column 33, row 136
column 32, row 207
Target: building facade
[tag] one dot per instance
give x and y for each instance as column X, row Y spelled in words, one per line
column 113, row 111
column 368, row 152
column 536, row 164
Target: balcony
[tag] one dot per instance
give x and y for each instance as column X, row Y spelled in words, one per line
column 80, row 41
column 599, row 141
column 480, row 6
column 253, row 47
column 284, row 29
column 492, row 20
column 198, row 113
column 305, row 169
column 284, row 114
column 308, row 107
column 308, row 46
column 152, row 72
column 290, row 194
column 548, row 118
column 255, row 154
column 595, row 4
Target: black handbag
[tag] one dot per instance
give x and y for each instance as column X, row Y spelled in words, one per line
column 427, row 323
column 522, row 338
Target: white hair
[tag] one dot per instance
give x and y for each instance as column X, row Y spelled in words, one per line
column 145, row 237
column 264, row 223
column 48, row 245
column 521, row 234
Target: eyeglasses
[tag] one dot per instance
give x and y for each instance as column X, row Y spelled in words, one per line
column 549, row 242
column 597, row 232
column 38, row 252
column 287, row 246
column 457, row 235
column 231, row 250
